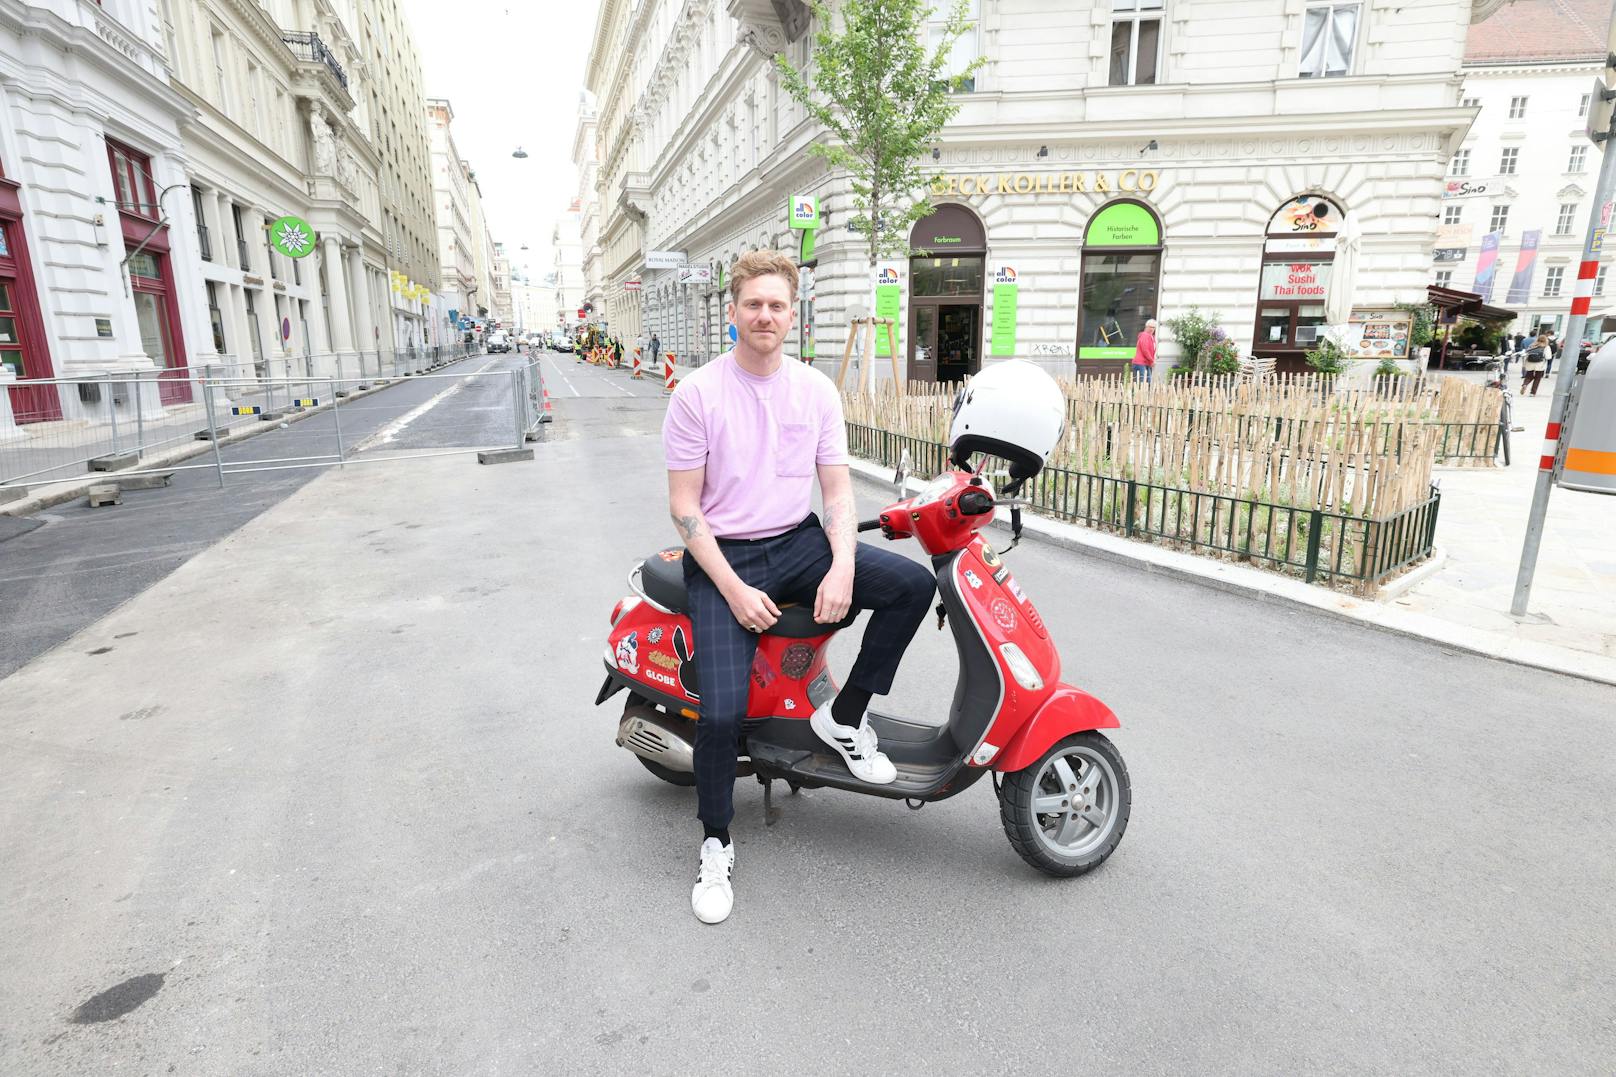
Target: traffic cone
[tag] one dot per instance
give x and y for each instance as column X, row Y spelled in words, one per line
column 546, row 416
column 669, row 382
column 637, row 375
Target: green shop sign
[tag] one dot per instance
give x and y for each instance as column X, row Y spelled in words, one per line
column 1006, row 299
column 1105, row 353
column 1123, row 224
column 803, row 211
column 888, row 304
column 292, row 236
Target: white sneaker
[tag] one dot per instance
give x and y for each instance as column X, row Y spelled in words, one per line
column 712, row 898
column 856, row 747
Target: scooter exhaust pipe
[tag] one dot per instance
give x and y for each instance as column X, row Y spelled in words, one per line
column 650, row 734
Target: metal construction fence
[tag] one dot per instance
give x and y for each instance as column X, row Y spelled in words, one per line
column 1318, row 545
column 137, row 424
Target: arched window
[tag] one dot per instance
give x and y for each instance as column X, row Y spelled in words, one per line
column 1298, row 259
column 1121, row 278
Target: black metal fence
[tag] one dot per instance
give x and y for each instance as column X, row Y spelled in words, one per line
column 1318, row 545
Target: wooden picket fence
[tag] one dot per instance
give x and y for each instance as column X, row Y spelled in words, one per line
column 1289, row 440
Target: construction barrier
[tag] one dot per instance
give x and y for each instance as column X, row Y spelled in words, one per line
column 637, row 373
column 669, row 382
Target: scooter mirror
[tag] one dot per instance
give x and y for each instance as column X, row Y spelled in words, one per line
column 901, row 474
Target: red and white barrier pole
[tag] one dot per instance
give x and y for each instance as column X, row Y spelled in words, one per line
column 637, row 373
column 668, row 380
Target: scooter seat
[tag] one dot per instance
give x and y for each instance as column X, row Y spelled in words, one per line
column 663, row 578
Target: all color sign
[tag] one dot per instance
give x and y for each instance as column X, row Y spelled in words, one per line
column 803, row 211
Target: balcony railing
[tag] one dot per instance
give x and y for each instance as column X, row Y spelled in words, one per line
column 306, row 45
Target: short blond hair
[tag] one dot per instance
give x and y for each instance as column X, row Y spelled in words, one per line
column 761, row 264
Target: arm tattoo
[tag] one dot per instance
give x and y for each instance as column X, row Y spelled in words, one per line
column 840, row 517
column 689, row 526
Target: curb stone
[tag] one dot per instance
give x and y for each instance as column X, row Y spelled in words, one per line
column 1266, row 587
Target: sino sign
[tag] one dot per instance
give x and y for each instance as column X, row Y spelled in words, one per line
column 292, row 236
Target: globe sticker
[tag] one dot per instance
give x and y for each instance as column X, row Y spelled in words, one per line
column 292, row 236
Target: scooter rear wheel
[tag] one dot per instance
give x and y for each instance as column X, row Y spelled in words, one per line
column 667, row 774
column 1066, row 813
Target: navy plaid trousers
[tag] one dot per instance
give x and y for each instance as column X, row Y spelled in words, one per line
column 787, row 568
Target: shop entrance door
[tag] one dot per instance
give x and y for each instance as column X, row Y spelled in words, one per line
column 153, row 311
column 35, row 403
column 945, row 341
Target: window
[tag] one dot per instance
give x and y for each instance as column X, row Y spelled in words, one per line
column 217, row 317
column 131, row 179
column 1471, row 102
column 1444, row 277
column 201, row 227
column 1562, row 223
column 1452, row 214
column 1599, row 280
column 221, row 84
column 1517, row 108
column 1553, row 277
column 1582, row 106
column 1579, row 159
column 241, row 241
column 1329, row 35
column 1508, row 159
column 1136, row 35
column 1460, row 165
column 1500, row 219
column 966, row 49
column 254, row 92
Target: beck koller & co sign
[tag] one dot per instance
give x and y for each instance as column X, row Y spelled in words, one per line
column 1130, row 179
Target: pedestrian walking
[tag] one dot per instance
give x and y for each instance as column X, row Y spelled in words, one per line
column 1144, row 352
column 1535, row 364
column 656, row 348
column 745, row 439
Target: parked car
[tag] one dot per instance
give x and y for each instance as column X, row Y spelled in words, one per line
column 499, row 341
column 561, row 342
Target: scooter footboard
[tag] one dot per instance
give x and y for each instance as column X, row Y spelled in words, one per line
column 1068, row 710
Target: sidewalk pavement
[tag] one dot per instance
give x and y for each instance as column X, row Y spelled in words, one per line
column 1461, row 597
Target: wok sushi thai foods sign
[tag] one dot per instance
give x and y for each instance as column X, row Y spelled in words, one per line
column 1377, row 334
column 1295, row 280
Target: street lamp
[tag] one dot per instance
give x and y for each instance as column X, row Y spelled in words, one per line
column 520, row 152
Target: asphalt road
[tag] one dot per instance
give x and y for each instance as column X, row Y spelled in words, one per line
column 333, row 798
column 57, row 578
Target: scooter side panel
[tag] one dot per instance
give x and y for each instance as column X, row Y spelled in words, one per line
column 1005, row 615
column 1068, row 710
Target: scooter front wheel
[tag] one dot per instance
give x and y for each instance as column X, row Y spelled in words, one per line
column 1066, row 813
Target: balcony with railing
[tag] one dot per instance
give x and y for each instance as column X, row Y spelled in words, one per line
column 307, row 46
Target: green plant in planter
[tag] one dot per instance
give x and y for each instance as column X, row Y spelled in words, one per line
column 1388, row 368
column 1326, row 357
column 1221, row 357
column 1191, row 331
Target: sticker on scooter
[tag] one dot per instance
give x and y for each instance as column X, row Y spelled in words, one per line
column 654, row 636
column 973, row 579
column 687, row 665
column 663, row 660
column 795, row 661
column 762, row 673
column 671, row 555
column 791, row 704
column 1004, row 614
column 990, row 557
column 628, row 652
column 1015, row 589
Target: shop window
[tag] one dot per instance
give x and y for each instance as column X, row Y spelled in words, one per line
column 1553, row 278
column 1499, row 219
column 1460, row 165
column 947, row 276
column 1136, row 36
column 1508, row 159
column 967, row 47
column 1579, row 159
column 1120, row 280
column 1298, row 265
column 1562, row 223
column 131, row 180
column 1329, row 38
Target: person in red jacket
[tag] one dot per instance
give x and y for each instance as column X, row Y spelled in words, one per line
column 1144, row 352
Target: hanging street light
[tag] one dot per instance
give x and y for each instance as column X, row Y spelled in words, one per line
column 520, row 152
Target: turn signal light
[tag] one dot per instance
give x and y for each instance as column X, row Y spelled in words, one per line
column 1021, row 668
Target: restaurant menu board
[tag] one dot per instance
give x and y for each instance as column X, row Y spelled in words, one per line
column 1378, row 334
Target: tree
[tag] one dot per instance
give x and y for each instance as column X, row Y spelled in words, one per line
column 883, row 97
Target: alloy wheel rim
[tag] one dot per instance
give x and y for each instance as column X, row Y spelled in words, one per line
column 1074, row 802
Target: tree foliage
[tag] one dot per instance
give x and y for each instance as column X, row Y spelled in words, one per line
column 883, row 97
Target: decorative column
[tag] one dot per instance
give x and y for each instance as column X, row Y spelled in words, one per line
column 336, row 277
column 363, row 303
column 224, row 251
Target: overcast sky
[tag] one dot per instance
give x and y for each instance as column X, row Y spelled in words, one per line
column 512, row 70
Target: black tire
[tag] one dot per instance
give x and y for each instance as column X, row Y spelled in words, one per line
column 672, row 777
column 1026, row 827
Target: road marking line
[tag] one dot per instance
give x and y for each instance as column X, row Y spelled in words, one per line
column 563, row 377
column 391, row 430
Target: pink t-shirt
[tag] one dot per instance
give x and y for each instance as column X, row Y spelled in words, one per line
column 760, row 440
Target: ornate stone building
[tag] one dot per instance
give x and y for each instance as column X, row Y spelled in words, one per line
column 1277, row 169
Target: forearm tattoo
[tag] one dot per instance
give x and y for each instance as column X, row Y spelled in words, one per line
column 689, row 526
column 840, row 519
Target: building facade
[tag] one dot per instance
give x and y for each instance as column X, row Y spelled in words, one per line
column 586, row 158
column 615, row 78
column 566, row 242
column 98, row 258
column 451, row 191
column 1280, row 171
column 1520, row 189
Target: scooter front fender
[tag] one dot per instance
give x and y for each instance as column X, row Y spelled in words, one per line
column 1068, row 710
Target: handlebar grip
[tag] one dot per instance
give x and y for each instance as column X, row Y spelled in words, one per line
column 975, row 503
column 869, row 525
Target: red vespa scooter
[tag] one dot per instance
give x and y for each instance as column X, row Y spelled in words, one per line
column 1064, row 794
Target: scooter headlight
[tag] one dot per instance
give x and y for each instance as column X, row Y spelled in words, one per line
column 1021, row 668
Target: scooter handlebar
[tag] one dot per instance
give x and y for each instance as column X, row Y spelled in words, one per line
column 869, row 525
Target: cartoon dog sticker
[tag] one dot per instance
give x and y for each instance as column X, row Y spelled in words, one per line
column 628, row 653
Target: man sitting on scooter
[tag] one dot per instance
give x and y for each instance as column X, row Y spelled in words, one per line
column 745, row 436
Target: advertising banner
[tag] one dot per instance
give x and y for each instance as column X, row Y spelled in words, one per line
column 1521, row 285
column 888, row 304
column 1377, row 334
column 1486, row 265
column 1006, row 288
column 1295, row 280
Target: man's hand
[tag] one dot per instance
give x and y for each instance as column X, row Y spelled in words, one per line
column 753, row 610
column 835, row 595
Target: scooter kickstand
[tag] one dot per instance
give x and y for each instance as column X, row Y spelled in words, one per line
column 771, row 814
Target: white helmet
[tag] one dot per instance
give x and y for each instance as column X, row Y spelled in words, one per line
column 1013, row 410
